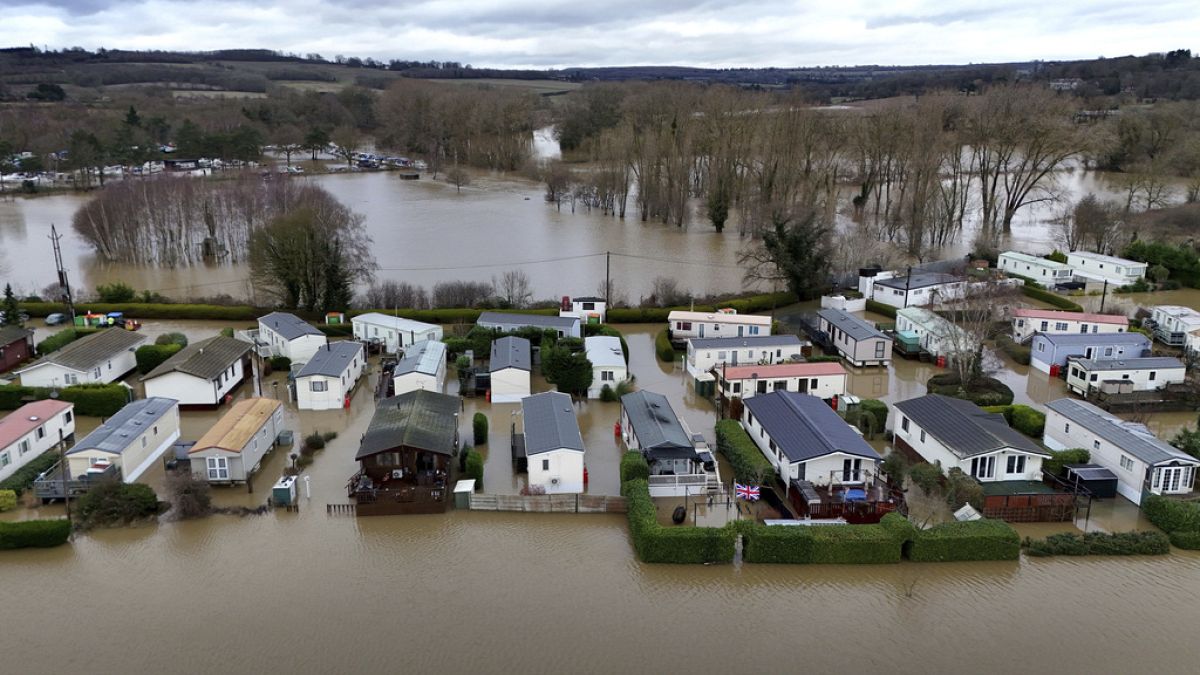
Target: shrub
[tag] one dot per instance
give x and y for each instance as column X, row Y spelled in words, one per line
column 1100, row 543
column 336, row 329
column 870, row 416
column 1060, row 458
column 329, row 436
column 227, row 332
column 62, row 338
column 984, row 391
column 96, row 400
column 1139, row 286
column 190, row 497
column 881, row 308
column 1186, row 540
column 479, row 425
column 1051, row 298
column 634, row 466
column 962, row 489
column 150, row 357
column 982, row 539
column 281, row 363
column 895, row 467
column 749, row 464
column 475, row 467
column 314, row 441
column 1057, row 256
column 172, row 339
column 34, row 534
column 925, row 476
column 1022, row 354
column 657, row 544
column 115, row 292
column 8, row 500
column 1028, row 421
column 827, row 544
column 116, row 503
column 608, row 395
column 23, row 477
column 662, row 347
column 1170, row 515
column 823, row 358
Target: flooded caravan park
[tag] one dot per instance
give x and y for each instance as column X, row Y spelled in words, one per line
column 490, row 592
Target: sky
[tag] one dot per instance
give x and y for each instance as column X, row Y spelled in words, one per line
column 563, row 33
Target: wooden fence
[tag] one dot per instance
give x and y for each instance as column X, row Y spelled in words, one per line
column 548, row 503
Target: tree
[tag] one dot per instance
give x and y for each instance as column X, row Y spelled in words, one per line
column 348, row 141
column 513, row 289
column 569, row 370
column 792, row 251
column 316, row 141
column 1092, row 224
column 1188, row 440
column 458, row 177
column 189, row 497
column 289, row 141
column 970, row 321
column 395, row 295
column 12, row 311
column 116, row 292
column 132, row 119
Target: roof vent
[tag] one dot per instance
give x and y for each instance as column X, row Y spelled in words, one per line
column 33, row 418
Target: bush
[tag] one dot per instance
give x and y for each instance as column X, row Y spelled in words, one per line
column 62, row 338
column 8, row 500
column 1060, row 458
column 336, row 329
column 823, row 358
column 475, row 467
column 881, row 308
column 172, row 339
column 1139, row 286
column 159, row 310
column 662, row 347
column 982, row 539
column 23, row 477
column 870, row 417
column 1022, row 354
column 634, row 466
column 96, row 400
column 116, row 292
column 1027, row 420
column 925, row 476
column 34, row 534
column 657, row 544
column 1051, row 298
column 479, row 425
column 314, row 441
column 749, row 464
column 608, row 395
column 984, row 391
column 1170, row 515
column 116, row 503
column 895, row 467
column 190, row 497
column 150, row 357
column 1186, row 540
column 1057, row 256
column 963, row 489
column 280, row 363
column 1100, row 543
column 227, row 332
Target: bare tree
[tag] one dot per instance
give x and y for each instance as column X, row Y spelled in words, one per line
column 394, row 295
column 348, row 141
column 664, row 292
column 1091, row 224
column 613, row 292
column 460, row 293
column 458, row 177
column 971, row 320
column 513, row 288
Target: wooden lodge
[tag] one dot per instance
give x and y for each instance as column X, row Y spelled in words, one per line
column 405, row 456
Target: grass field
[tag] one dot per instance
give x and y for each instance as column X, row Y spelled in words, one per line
column 542, row 87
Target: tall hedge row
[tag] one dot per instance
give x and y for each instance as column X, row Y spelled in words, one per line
column 62, row 338
column 634, row 467
column 1027, row 420
column 34, row 533
column 96, row 400
column 150, row 357
column 655, row 543
column 23, row 478
column 1051, row 298
column 881, row 308
column 151, row 310
column 663, row 348
column 827, row 544
column 970, row 540
column 744, row 456
column 1180, row 520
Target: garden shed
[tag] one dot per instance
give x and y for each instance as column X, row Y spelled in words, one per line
column 1101, row 482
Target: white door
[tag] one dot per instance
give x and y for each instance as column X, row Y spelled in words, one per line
column 1169, row 479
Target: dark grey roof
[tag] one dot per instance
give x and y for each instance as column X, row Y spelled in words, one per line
column 659, row 432
column 805, row 427
column 965, row 428
column 1091, row 472
column 919, row 280
column 205, row 359
column 851, row 325
column 89, row 351
column 1148, row 363
column 749, row 341
column 1091, row 339
column 509, row 351
column 119, row 430
column 10, row 334
column 332, row 360
column 588, row 298
column 289, row 326
column 419, row 419
column 1131, row 437
column 424, row 357
column 550, row 423
column 501, row 319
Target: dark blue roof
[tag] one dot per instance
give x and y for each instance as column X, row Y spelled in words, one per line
column 805, row 427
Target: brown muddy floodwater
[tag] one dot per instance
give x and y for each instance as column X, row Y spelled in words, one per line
column 479, row 592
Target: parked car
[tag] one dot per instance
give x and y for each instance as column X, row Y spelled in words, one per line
column 56, row 319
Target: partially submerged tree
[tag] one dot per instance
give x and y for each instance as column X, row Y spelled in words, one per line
column 793, row 251
column 513, row 289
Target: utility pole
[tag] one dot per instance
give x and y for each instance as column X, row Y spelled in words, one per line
column 1103, row 296
column 907, row 283
column 63, row 283
column 607, row 278
column 62, row 465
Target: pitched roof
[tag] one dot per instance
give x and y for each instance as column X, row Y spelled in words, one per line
column 1060, row 315
column 919, row 280
column 331, row 360
column 536, row 320
column 604, row 350
column 29, row 417
column 656, row 426
column 1035, row 260
column 1101, row 339
column 963, row 427
column 550, row 423
column 418, row 419
column 509, row 351
column 721, row 317
column 1100, row 257
column 89, row 351
column 394, row 322
column 747, row 341
column 805, row 427
column 205, row 359
column 289, row 326
column 10, row 334
column 1147, row 363
column 783, row 370
column 118, row 431
column 426, row 357
column 1131, row 437
column 851, row 325
column 238, row 426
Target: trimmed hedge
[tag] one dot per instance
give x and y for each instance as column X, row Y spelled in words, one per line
column 62, row 338
column 1051, row 298
column 874, row 410
column 747, row 305
column 116, row 503
column 662, row 347
column 1060, row 458
column 683, row 545
column 96, row 400
column 8, row 500
column 34, row 534
column 1186, row 540
column 826, row 544
column 475, row 467
column 743, row 455
column 479, row 428
column 1100, row 543
column 634, row 466
column 1022, row 354
column 881, row 308
column 1027, row 420
column 23, row 477
column 150, row 357
column 336, row 329
column 970, row 540
column 1171, row 515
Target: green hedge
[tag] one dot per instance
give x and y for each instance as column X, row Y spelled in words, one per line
column 1060, row 458
column 970, row 540
column 823, row 358
column 1023, row 418
column 23, row 478
column 280, row 363
column 1022, row 354
column 743, row 455
column 62, row 338
column 150, row 357
column 1171, row 515
column 479, row 428
column 1100, row 543
column 987, row 391
column 1051, row 298
column 826, row 544
column 655, row 543
column 1186, row 540
column 475, row 467
column 8, row 500
column 116, row 503
column 747, row 305
column 96, row 400
column 634, row 466
column 146, row 310
column 662, row 347
column 881, row 308
column 34, row 534
column 336, row 329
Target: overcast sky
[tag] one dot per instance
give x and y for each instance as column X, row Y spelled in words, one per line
column 556, row 33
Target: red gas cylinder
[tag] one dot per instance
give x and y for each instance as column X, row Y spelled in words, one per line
column 347, row 403
column 941, row 362
column 585, row 476
column 489, row 395
column 835, row 402
column 1054, row 369
column 616, row 428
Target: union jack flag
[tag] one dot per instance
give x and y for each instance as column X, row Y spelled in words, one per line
column 747, row 492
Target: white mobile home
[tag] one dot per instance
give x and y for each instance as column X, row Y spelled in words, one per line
column 325, row 382
column 1026, row 322
column 677, row 466
column 290, row 336
column 1143, row 463
column 589, row 310
column 1042, row 270
column 231, row 450
column 1097, row 267
column 99, row 358
column 200, row 374
column 1123, row 375
column 553, row 446
column 704, row 354
column 132, row 440
column 918, row 289
column 821, row 379
column 934, row 333
column 608, row 363
column 393, row 332
column 31, row 430
column 683, row 325
column 510, row 369
column 1049, row 352
column 423, row 367
column 565, row 326
column 859, row 342
column 954, row 433
column 1173, row 323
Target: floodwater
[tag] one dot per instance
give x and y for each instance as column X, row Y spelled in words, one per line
column 501, row 592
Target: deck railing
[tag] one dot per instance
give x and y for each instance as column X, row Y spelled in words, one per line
column 397, row 491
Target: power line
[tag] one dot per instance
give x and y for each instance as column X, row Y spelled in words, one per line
column 484, row 266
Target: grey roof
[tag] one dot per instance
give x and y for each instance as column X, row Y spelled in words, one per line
column 588, row 298
column 497, row 319
column 659, row 432
column 1131, row 338
column 749, row 341
column 10, row 334
column 1131, row 437
column 119, row 430
column 550, row 423
column 919, row 280
column 289, row 326
column 805, row 427
column 1148, row 363
column 965, row 428
column 851, row 325
column 509, row 351
column 89, row 351
column 205, row 359
column 1091, row 472
column 425, row 357
column 331, row 360
column 419, row 419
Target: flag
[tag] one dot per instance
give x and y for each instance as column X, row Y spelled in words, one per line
column 747, row 492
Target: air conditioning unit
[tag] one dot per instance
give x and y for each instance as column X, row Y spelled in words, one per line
column 554, row 481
